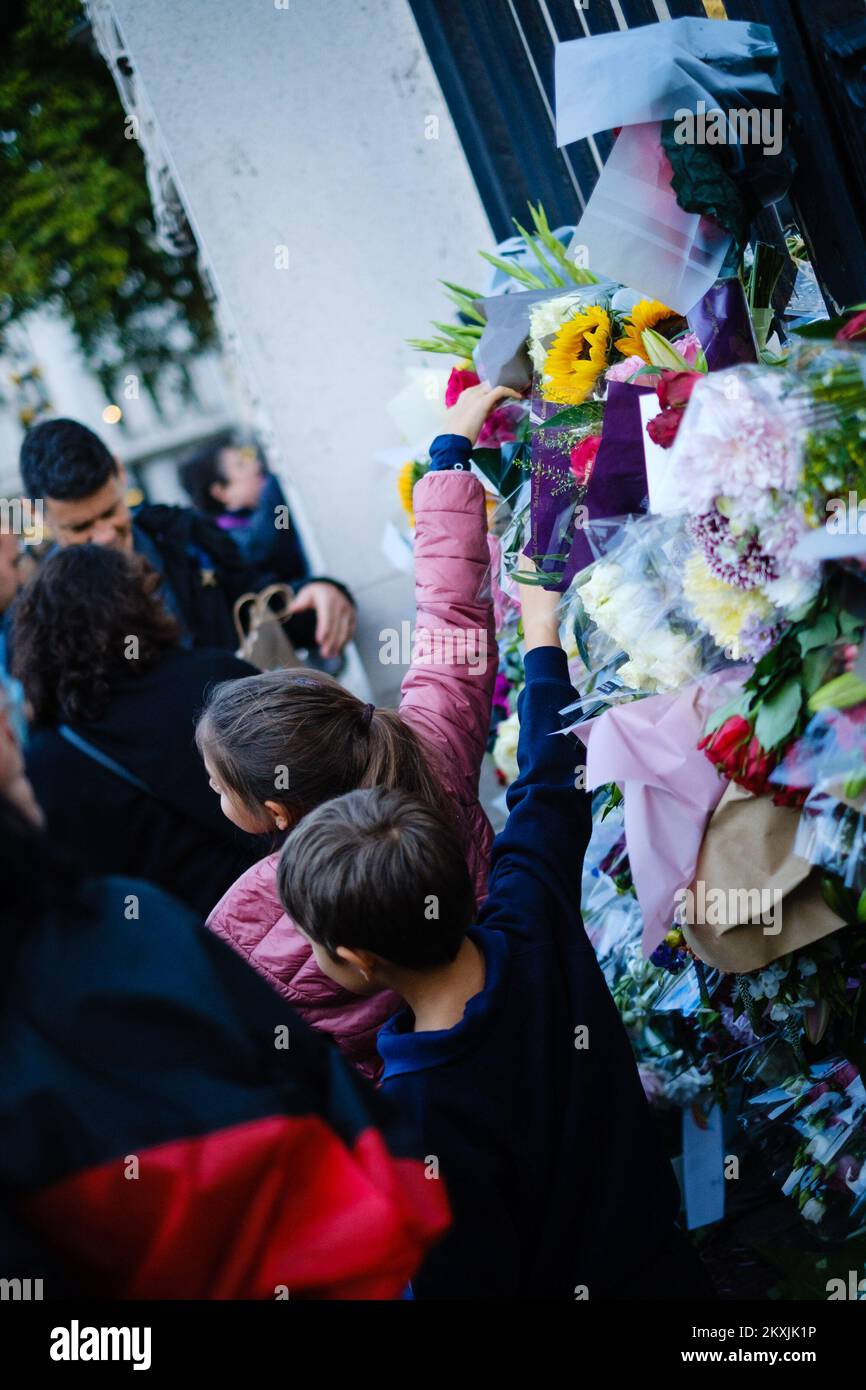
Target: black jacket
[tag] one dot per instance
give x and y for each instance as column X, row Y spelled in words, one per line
column 203, row 568
column 177, row 837
column 260, row 1163
column 207, row 573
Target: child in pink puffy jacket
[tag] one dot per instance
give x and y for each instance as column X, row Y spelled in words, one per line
column 279, row 744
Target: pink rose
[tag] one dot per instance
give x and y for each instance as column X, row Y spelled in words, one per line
column 583, row 457
column 855, row 328
column 458, row 381
column 688, row 347
column 500, row 427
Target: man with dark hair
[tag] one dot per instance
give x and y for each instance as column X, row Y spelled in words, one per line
column 510, row 1055
column 83, row 488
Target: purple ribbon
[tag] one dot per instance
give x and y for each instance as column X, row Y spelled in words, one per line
column 722, row 322
column 618, row 482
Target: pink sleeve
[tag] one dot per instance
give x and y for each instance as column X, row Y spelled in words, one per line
column 447, row 691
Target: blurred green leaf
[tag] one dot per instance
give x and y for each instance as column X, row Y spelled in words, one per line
column 77, row 232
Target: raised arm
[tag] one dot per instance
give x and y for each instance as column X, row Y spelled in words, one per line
column 537, row 860
column 447, row 692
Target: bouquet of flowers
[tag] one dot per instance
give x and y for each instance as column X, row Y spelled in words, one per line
column 812, row 1131
column 681, row 510
column 757, row 457
column 629, row 612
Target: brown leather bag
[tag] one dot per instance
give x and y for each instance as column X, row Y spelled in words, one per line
column 259, row 621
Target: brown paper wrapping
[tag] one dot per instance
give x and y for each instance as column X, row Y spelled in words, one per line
column 749, row 844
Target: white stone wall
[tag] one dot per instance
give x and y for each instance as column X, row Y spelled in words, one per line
column 302, row 124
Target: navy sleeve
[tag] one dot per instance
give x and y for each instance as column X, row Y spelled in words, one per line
column 450, row 451
column 537, row 860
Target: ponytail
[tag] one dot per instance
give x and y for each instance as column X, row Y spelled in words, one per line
column 300, row 738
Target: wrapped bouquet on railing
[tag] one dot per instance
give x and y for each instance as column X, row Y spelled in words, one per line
column 695, row 500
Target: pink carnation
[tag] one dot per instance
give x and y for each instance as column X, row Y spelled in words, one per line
column 625, row 370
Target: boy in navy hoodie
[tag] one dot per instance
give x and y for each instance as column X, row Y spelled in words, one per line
column 510, row 1055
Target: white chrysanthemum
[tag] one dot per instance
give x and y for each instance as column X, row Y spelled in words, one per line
column 505, row 747
column 659, row 658
column 791, row 591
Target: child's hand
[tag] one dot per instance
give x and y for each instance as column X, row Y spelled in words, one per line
column 540, row 610
column 473, row 406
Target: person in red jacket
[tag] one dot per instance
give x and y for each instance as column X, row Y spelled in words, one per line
column 280, row 744
column 171, row 1130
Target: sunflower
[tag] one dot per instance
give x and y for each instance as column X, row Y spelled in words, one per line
column 647, row 313
column 410, row 473
column 577, row 357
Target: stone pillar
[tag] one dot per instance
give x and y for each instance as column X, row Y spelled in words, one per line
column 321, row 175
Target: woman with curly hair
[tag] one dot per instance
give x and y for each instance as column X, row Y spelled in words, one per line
column 113, row 699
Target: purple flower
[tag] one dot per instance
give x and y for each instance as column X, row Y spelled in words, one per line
column 737, row 560
column 757, row 636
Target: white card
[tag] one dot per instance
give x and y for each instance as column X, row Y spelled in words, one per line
column 664, row 496
column 703, row 1169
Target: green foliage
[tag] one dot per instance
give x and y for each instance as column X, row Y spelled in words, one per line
column 554, row 271
column 76, row 224
column 779, row 714
column 586, row 417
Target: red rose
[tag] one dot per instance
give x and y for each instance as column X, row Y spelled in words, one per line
column 756, row 768
column 846, row 1174
column 736, row 752
column 458, row 382
column 790, row 796
column 855, row 328
column 583, row 457
column 815, row 1092
column 662, row 429
column 675, row 388
column 724, row 742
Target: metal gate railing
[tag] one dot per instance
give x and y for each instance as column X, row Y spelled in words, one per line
column 494, row 62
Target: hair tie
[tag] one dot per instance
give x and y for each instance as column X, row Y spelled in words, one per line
column 367, row 716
